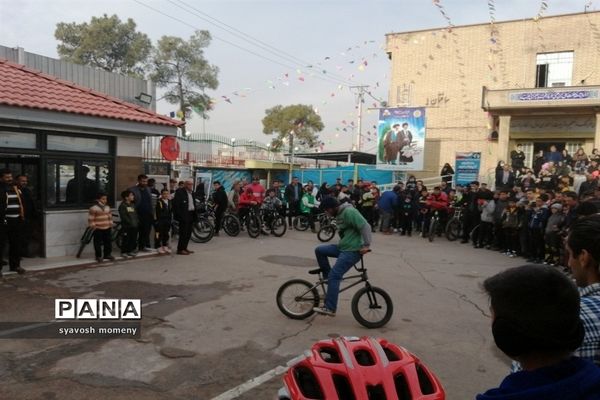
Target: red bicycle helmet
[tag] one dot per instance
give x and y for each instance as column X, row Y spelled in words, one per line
column 360, row 369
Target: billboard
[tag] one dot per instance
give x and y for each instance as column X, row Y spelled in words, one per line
column 466, row 167
column 401, row 139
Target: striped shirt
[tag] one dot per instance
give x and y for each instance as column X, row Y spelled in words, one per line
column 100, row 217
column 14, row 205
column 590, row 316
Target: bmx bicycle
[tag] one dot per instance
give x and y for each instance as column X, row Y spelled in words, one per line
column 371, row 306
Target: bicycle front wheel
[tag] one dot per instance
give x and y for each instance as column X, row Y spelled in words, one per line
column 453, row 230
column 326, row 233
column 301, row 223
column 372, row 307
column 231, row 225
column 297, row 298
column 85, row 239
column 432, row 229
column 202, row 231
column 278, row 226
column 253, row 225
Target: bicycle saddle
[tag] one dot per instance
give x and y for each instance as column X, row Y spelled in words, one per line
column 315, row 271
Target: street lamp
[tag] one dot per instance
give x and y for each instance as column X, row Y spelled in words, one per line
column 232, row 150
column 269, row 151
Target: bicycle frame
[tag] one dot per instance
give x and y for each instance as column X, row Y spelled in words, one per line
column 362, row 277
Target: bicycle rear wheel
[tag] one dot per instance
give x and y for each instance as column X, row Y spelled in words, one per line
column 278, row 226
column 231, row 225
column 372, row 307
column 326, row 233
column 453, row 230
column 296, row 299
column 253, row 225
column 202, row 231
column 301, row 223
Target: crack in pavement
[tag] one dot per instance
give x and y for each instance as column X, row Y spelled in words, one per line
column 466, row 299
column 286, row 337
column 403, row 258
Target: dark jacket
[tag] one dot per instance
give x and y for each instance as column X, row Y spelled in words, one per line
column 539, row 218
column 164, row 212
column 128, row 215
column 574, row 379
column 220, row 199
column 3, row 194
column 142, row 202
column 289, row 193
column 587, row 186
column 181, row 206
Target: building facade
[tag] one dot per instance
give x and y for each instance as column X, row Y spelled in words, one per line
column 489, row 87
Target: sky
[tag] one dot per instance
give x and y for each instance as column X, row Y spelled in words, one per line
column 316, row 46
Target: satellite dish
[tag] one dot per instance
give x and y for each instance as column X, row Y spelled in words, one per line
column 169, row 148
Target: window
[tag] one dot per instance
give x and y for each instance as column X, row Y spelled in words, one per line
column 528, row 150
column 554, row 69
column 18, row 140
column 77, row 144
column 77, row 182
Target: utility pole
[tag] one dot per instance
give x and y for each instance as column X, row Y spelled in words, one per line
column 361, row 99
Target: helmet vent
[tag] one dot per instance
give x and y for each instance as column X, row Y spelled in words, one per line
column 308, row 384
column 364, row 358
column 424, row 380
column 330, row 355
column 391, row 355
column 376, row 392
column 402, row 389
column 343, row 388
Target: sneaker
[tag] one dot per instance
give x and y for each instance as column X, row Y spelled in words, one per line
column 109, row 258
column 161, row 250
column 148, row 249
column 99, row 260
column 395, row 230
column 132, row 254
column 324, row 311
column 19, row 270
column 125, row 255
column 167, row 250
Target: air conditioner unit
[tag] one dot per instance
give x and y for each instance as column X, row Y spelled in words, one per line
column 559, row 84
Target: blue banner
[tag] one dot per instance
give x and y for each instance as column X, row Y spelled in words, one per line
column 466, row 167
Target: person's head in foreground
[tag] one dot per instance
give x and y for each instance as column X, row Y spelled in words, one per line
column 535, row 321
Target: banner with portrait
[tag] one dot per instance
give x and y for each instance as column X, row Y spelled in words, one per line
column 401, row 139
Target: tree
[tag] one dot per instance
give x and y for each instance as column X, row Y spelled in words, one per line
column 105, row 42
column 180, row 66
column 299, row 119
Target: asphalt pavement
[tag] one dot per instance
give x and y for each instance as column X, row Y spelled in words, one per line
column 211, row 325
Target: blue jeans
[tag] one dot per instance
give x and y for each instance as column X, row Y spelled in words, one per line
column 345, row 261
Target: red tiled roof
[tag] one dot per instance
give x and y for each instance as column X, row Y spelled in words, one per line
column 24, row 87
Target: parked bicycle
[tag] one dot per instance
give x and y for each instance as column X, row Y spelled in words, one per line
column 274, row 222
column 116, row 235
column 455, row 226
column 252, row 222
column 301, row 222
column 328, row 230
column 229, row 223
column 371, row 306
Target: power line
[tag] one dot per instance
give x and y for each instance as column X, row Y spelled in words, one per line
column 252, row 40
column 287, row 66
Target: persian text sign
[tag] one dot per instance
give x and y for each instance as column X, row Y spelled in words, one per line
column 554, row 95
column 466, row 167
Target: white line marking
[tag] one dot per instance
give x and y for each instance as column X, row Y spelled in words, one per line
column 251, row 384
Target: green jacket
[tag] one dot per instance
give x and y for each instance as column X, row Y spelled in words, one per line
column 129, row 217
column 310, row 199
column 353, row 228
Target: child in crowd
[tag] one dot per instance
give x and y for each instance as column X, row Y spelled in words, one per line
column 129, row 224
column 164, row 219
column 100, row 220
column 510, row 228
column 537, row 227
column 407, row 215
column 552, row 234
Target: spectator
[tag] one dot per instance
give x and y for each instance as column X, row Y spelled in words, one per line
column 552, row 234
column 583, row 247
column 309, row 207
column 11, row 221
column 509, row 223
column 447, row 174
column 258, row 189
column 233, row 197
column 589, row 185
column 387, row 205
column 293, row 195
column 29, row 213
column 595, row 156
column 369, row 201
column 487, row 206
column 553, row 155
column 517, row 158
column 538, row 161
column 537, row 226
column 247, row 201
column 129, row 224
column 219, row 198
column 185, row 213
column 164, row 221
column 535, row 321
column 100, row 221
column 143, row 206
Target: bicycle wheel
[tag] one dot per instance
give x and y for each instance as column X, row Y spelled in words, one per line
column 231, row 225
column 117, row 235
column 453, row 230
column 301, row 223
column 278, row 226
column 296, row 299
column 432, row 229
column 326, row 233
column 202, row 231
column 85, row 239
column 372, row 307
column 253, row 225
column 474, row 233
